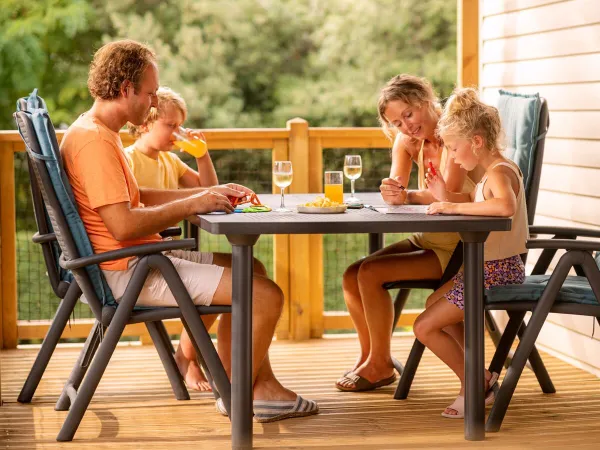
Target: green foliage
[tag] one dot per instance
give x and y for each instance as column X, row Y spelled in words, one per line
column 48, row 44
column 238, row 63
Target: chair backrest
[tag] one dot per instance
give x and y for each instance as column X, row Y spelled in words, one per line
column 525, row 120
column 60, row 278
column 533, row 187
column 39, row 136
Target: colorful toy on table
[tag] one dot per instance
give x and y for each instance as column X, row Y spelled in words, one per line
column 256, row 207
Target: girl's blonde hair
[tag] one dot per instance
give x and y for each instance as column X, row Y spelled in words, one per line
column 411, row 90
column 465, row 115
column 167, row 99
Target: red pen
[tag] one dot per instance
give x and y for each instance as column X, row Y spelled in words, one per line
column 432, row 169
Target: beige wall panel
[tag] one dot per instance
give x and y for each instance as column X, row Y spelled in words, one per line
column 568, row 180
column 553, row 16
column 572, row 152
column 567, row 97
column 567, row 69
column 543, row 45
column 490, row 7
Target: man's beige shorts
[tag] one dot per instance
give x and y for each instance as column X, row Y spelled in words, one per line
column 199, row 275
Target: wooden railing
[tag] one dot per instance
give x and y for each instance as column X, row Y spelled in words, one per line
column 298, row 259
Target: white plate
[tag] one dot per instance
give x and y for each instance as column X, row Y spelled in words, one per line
column 326, row 210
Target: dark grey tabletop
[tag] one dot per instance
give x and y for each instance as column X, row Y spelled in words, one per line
column 352, row 221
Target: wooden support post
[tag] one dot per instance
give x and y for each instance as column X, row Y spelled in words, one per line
column 316, row 288
column 300, row 272
column 468, row 43
column 8, row 252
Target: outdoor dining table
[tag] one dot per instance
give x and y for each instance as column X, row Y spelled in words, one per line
column 243, row 230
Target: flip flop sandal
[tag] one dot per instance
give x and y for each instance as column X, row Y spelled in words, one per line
column 272, row 411
column 459, row 403
column 361, row 384
column 220, row 406
column 397, row 365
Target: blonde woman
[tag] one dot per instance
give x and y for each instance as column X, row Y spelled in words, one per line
column 409, row 112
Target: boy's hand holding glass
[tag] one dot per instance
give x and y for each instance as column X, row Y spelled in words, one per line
column 393, row 191
column 192, row 142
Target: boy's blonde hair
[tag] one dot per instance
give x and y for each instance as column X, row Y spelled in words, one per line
column 167, row 99
column 465, row 115
column 411, row 90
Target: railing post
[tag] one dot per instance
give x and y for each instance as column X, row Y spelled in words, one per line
column 316, row 289
column 300, row 272
column 8, row 252
column 467, row 44
column 281, row 252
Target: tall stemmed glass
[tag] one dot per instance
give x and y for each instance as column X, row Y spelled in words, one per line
column 353, row 171
column 282, row 177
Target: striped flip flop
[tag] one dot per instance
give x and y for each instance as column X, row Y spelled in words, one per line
column 272, row 411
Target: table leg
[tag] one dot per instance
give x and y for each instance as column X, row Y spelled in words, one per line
column 474, row 337
column 241, row 341
column 375, row 242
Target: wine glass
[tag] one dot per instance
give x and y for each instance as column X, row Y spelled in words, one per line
column 353, row 171
column 282, row 177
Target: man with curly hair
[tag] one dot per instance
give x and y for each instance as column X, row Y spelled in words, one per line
column 123, row 80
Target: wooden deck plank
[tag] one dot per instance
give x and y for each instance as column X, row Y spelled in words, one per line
column 131, row 411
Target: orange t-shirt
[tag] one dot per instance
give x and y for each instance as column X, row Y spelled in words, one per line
column 99, row 175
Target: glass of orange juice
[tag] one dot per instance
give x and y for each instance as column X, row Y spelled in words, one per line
column 334, row 186
column 190, row 144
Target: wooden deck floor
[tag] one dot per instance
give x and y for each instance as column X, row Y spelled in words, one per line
column 134, row 407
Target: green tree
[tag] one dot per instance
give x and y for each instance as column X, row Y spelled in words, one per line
column 48, row 44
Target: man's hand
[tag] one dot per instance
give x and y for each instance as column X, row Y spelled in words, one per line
column 232, row 190
column 209, row 201
column 392, row 191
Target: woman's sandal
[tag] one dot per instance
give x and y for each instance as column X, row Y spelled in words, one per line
column 459, row 403
column 361, row 384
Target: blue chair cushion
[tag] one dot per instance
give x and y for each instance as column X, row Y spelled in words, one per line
column 520, row 115
column 46, row 137
column 574, row 290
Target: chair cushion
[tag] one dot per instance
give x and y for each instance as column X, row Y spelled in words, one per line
column 574, row 290
column 520, row 115
column 48, row 144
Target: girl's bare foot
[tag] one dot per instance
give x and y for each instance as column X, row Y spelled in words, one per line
column 192, row 373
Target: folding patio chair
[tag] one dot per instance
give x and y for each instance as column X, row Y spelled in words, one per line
column 61, row 281
column 531, row 167
column 558, row 293
column 77, row 256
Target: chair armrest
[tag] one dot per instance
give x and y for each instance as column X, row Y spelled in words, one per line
column 171, row 232
column 137, row 250
column 564, row 232
column 563, row 244
column 38, row 238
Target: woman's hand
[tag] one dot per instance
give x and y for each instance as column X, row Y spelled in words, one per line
column 436, row 185
column 392, row 191
column 442, row 208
